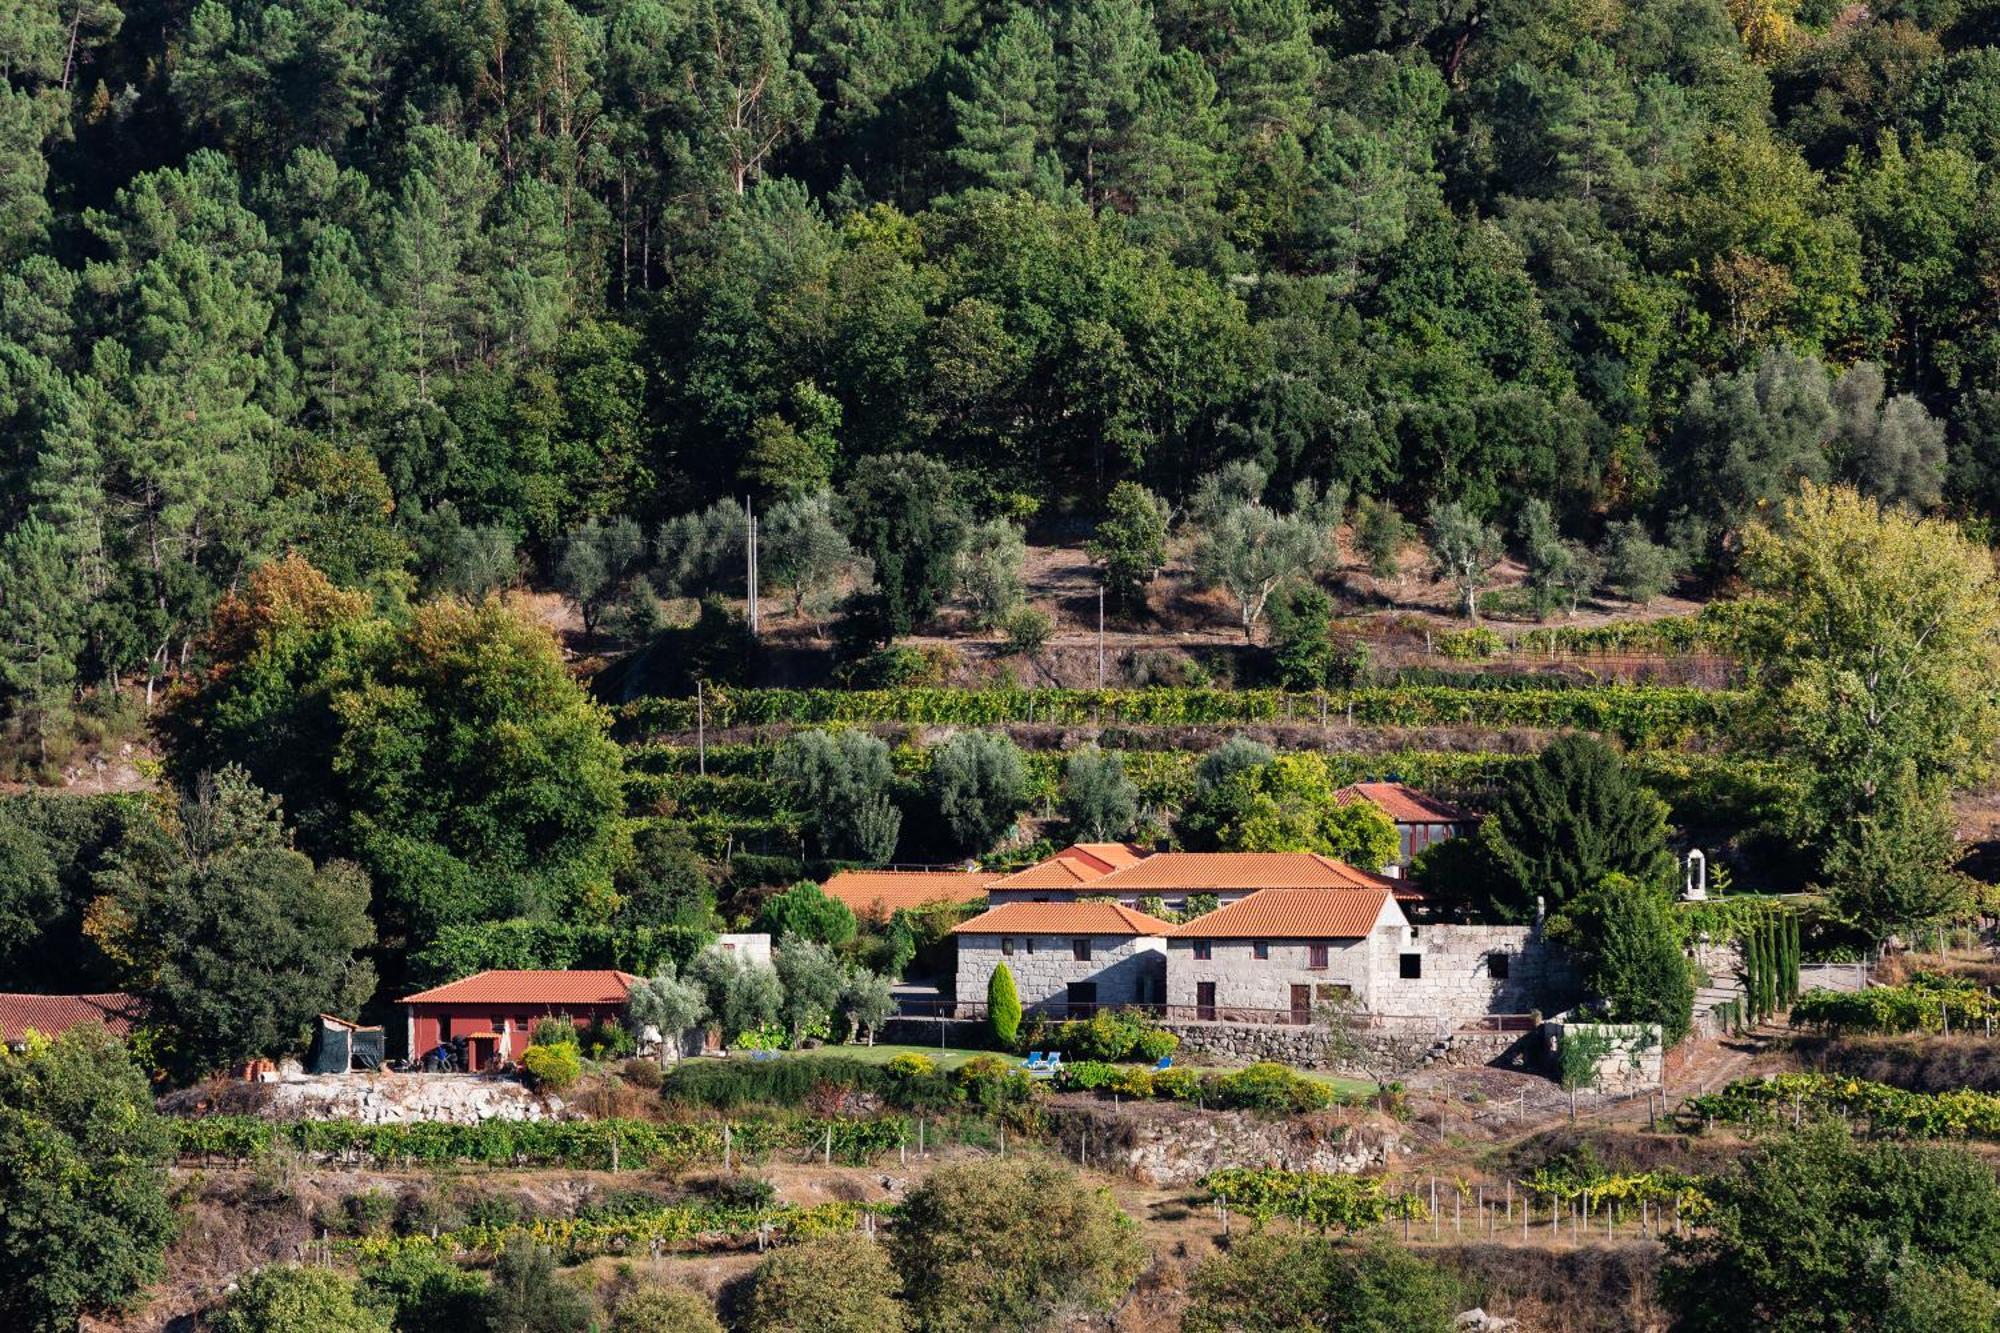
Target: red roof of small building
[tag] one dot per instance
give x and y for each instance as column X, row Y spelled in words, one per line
column 53, row 1015
column 1402, row 803
column 887, row 890
column 1093, row 916
column 1291, row 914
column 499, row 986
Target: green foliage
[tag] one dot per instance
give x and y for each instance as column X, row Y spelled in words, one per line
column 1323, row 1202
column 526, row 1295
column 1098, row 801
column 1003, row 1006
column 1268, row 1283
column 459, row 951
column 84, row 1212
column 1815, row 1231
column 844, row 778
column 665, row 1309
column 1130, row 543
column 380, row 738
column 990, row 571
column 806, row 912
column 290, row 1299
column 1924, row 1005
column 840, row 1283
column 233, row 940
column 554, row 1067
column 979, row 784
column 1026, row 630
column 1009, row 1245
column 1301, row 619
column 1632, row 956
column 1792, row 1098
column 900, row 511
column 1565, row 822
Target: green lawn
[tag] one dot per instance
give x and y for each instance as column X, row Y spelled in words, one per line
column 952, row 1057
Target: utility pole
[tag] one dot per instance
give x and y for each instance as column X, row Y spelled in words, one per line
column 1100, row 636
column 750, row 561
column 701, row 730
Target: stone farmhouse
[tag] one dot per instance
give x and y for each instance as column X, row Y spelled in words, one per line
column 1292, row 930
column 1066, row 958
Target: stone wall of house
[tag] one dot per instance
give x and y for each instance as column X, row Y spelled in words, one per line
column 1457, row 978
column 1634, row 1061
column 1127, row 969
column 1455, row 966
column 1244, row 981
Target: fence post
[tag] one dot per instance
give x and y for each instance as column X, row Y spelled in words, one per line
column 829, row 1145
column 727, row 1139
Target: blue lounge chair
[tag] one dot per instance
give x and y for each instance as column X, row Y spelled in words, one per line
column 1055, row 1061
column 1166, row 1063
column 1035, row 1061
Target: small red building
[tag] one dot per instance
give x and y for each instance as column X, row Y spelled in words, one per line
column 496, row 1011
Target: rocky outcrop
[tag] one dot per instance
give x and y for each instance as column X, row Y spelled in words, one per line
column 374, row 1099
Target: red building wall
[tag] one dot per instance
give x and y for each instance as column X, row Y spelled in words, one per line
column 427, row 1024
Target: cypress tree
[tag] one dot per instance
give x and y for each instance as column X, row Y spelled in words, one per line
column 1003, row 1006
column 1753, row 987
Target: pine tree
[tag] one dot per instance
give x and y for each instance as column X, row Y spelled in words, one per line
column 1109, row 48
column 1005, row 109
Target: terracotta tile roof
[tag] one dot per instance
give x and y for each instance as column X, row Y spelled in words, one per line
column 1196, row 872
column 53, row 1015
column 1078, row 863
column 1291, row 914
column 596, row 986
column 1093, row 917
column 863, row 890
column 1402, row 803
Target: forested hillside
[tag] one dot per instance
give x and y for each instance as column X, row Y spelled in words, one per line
column 422, row 290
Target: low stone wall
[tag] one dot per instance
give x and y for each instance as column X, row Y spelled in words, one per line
column 1634, row 1061
column 1172, row 1146
column 373, row 1099
column 1305, row 1046
column 964, row 1033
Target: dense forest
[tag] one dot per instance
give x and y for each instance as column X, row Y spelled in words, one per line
column 423, row 290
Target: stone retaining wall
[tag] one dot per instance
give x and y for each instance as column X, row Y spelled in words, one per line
column 1391, row 1052
column 1635, row 1060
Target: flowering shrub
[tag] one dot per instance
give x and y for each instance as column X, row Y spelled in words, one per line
column 554, row 1067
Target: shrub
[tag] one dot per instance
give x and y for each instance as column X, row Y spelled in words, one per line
column 607, row 1039
column 554, row 1030
column 991, row 1082
column 1011, row 1245
column 1108, row 1035
column 1268, row 1087
column 1156, row 1044
column 642, row 1073
column 665, row 1309
column 1003, row 1006
column 1026, row 630
column 1086, row 1075
column 841, row 1283
column 1272, row 1283
column 1179, row 1084
column 289, row 1299
column 911, row 1065
column 736, row 1190
column 1132, row 1081
column 804, row 910
column 526, row 1295
column 426, row 1293
column 552, row 1067
column 368, row 1212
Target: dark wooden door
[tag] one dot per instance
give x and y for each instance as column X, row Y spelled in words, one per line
column 1204, row 1000
column 1302, row 1004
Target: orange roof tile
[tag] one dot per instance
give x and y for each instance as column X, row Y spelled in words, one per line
column 1291, row 914
column 53, row 1015
column 1402, row 803
column 865, row 890
column 1197, row 872
column 1078, row 863
column 1092, row 917
column 500, row 986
